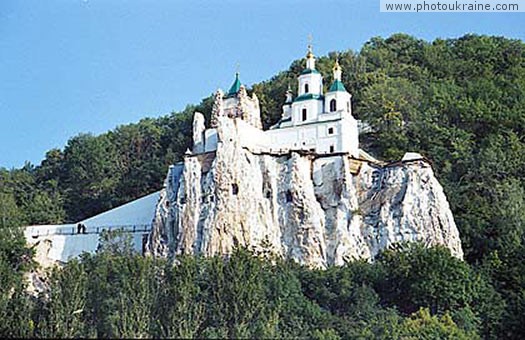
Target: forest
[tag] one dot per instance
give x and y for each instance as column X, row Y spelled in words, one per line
column 460, row 102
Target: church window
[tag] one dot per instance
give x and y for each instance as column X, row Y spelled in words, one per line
column 306, row 88
column 305, row 115
column 289, row 197
column 348, row 106
column 332, row 148
column 333, row 105
column 235, row 189
column 331, row 131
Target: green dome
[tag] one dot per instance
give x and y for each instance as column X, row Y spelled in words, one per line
column 309, row 70
column 308, row 96
column 236, row 86
column 337, row 85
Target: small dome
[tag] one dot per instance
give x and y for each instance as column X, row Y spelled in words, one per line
column 236, row 86
column 336, row 86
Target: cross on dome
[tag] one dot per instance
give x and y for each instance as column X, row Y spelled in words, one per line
column 310, row 58
column 310, row 53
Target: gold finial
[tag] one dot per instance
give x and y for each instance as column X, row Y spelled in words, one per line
column 310, row 53
column 336, row 65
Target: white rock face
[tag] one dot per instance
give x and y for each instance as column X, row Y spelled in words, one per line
column 318, row 210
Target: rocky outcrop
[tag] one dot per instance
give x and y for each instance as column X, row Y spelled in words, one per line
column 320, row 210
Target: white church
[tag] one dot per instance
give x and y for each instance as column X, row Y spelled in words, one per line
column 313, row 121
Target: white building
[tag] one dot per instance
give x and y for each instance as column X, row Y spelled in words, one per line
column 313, row 121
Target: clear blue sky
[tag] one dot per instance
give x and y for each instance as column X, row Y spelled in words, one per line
column 71, row 66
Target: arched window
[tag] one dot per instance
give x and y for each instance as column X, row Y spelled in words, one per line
column 306, row 88
column 333, row 105
column 305, row 115
column 348, row 106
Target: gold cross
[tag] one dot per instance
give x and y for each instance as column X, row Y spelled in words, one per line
column 310, row 40
column 237, row 68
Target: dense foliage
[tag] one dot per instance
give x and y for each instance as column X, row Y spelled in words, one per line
column 119, row 294
column 460, row 102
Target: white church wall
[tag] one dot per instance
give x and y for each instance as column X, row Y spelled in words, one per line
column 308, row 137
column 329, row 144
column 350, row 135
column 313, row 107
column 342, row 101
column 330, row 116
column 314, row 81
column 307, row 140
column 282, row 139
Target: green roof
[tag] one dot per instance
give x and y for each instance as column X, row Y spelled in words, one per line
column 308, row 71
column 308, row 96
column 236, row 86
column 337, row 86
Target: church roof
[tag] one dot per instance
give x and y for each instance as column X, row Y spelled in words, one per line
column 308, row 96
column 337, row 85
column 236, row 86
column 309, row 70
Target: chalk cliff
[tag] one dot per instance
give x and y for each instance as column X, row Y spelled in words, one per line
column 318, row 209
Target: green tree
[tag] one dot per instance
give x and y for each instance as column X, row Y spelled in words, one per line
column 91, row 174
column 121, row 295
column 10, row 215
column 15, row 306
column 181, row 308
column 63, row 312
column 422, row 325
column 417, row 277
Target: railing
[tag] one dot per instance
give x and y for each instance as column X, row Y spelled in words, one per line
column 73, row 230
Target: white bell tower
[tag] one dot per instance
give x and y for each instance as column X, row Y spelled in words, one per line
column 309, row 102
column 337, row 98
